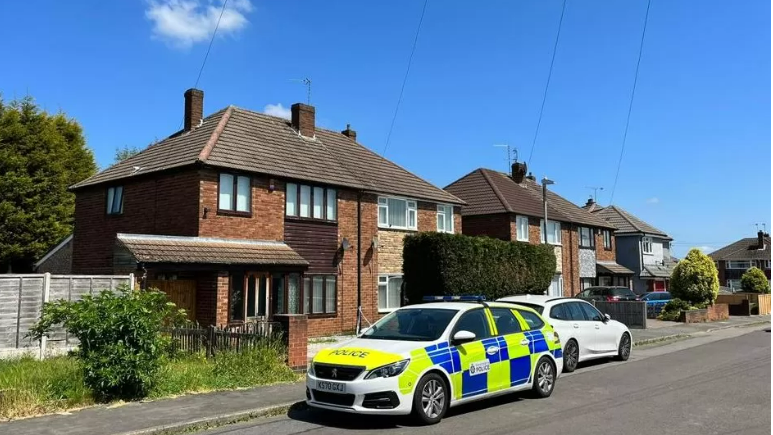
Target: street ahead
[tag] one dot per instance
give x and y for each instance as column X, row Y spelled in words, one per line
column 722, row 387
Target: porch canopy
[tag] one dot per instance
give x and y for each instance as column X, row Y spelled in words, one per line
column 612, row 268
column 657, row 271
column 143, row 248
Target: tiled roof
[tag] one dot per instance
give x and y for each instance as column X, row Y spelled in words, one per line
column 203, row 250
column 626, row 222
column 744, row 249
column 613, row 268
column 658, row 270
column 489, row 192
column 250, row 141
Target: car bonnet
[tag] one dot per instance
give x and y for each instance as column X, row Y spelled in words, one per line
column 368, row 353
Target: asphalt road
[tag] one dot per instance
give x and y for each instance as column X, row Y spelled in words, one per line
column 721, row 387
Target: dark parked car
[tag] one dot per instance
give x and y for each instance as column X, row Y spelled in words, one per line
column 655, row 302
column 607, row 294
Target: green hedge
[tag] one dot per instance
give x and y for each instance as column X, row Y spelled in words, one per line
column 454, row 264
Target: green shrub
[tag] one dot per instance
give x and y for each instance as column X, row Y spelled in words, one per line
column 454, row 264
column 121, row 347
column 673, row 309
column 695, row 279
column 755, row 281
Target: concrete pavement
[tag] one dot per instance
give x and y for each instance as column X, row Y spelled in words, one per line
column 701, row 386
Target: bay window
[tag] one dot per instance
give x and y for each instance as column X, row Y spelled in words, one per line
column 310, row 202
column 396, row 213
column 522, row 228
column 445, row 218
column 389, row 292
column 234, row 193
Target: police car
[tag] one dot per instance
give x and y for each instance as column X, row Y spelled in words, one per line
column 423, row 359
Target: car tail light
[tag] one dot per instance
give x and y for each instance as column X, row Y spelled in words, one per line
column 613, row 298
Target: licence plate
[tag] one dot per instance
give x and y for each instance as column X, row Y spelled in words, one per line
column 335, row 387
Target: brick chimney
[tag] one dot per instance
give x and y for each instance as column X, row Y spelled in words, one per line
column 589, row 205
column 760, row 240
column 518, row 171
column 194, row 108
column 351, row 134
column 303, row 119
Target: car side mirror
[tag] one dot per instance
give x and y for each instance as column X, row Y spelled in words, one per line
column 607, row 318
column 462, row 337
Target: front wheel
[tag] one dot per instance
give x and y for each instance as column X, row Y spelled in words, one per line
column 544, row 378
column 431, row 399
column 624, row 349
column 571, row 356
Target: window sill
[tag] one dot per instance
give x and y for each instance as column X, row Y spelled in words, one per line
column 113, row 215
column 310, row 220
column 382, row 227
column 321, row 315
column 607, row 249
column 232, row 213
column 587, row 247
column 522, row 240
column 648, row 253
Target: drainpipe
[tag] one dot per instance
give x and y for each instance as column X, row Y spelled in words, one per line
column 359, row 264
column 572, row 227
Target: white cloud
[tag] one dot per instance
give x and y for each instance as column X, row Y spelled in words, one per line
column 705, row 249
column 277, row 110
column 183, row 23
column 653, row 200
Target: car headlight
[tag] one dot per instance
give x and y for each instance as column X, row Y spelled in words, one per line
column 310, row 369
column 388, row 370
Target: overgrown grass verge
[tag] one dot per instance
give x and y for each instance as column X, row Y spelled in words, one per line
column 30, row 387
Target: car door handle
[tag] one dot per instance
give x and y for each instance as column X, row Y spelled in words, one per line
column 525, row 342
column 598, row 327
column 576, row 325
column 491, row 350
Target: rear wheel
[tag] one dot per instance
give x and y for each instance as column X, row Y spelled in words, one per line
column 624, row 349
column 571, row 356
column 544, row 378
column 431, row 399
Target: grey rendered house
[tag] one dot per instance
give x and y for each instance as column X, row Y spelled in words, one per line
column 640, row 247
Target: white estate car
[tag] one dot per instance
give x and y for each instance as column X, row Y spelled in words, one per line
column 585, row 332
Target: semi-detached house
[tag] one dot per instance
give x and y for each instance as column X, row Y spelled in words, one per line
column 510, row 207
column 241, row 216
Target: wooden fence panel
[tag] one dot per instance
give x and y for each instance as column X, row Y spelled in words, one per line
column 764, row 304
column 632, row 314
column 9, row 310
column 181, row 292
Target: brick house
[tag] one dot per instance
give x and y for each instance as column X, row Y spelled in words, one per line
column 252, row 215
column 640, row 247
column 510, row 207
column 736, row 258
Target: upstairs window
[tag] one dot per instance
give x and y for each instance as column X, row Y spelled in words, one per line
column 586, row 237
column 396, row 213
column 115, row 200
column 310, row 202
column 445, row 218
column 607, row 240
column 739, row 264
column 235, row 193
column 553, row 232
column 522, row 228
column 646, row 245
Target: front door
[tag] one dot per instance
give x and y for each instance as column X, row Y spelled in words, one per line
column 256, row 304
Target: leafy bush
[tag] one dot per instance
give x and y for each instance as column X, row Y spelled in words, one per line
column 673, row 309
column 695, row 279
column 755, row 281
column 454, row 264
column 121, row 346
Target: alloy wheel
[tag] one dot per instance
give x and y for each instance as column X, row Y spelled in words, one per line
column 545, row 377
column 433, row 398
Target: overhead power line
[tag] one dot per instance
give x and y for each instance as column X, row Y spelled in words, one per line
column 547, row 83
column 405, row 78
column 630, row 104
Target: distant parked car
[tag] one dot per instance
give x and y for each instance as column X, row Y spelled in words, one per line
column 655, row 302
column 585, row 332
column 607, row 294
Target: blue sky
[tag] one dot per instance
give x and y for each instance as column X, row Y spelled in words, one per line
column 697, row 161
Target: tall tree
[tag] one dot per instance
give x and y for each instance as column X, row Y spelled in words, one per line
column 124, row 153
column 41, row 155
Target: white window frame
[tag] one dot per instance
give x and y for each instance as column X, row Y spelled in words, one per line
column 411, row 213
column 560, row 284
column 646, row 245
column 443, row 212
column 555, row 229
column 112, row 207
column 734, row 284
column 747, row 264
column 383, row 280
column 522, row 228
column 766, row 264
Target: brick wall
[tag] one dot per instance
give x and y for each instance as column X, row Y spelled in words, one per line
column 493, row 225
column 295, row 336
column 266, row 222
column 601, row 253
column 571, row 259
column 212, row 294
column 162, row 204
column 714, row 313
column 535, row 233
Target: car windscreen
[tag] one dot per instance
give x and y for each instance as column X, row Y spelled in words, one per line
column 411, row 324
column 621, row 292
column 535, row 307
